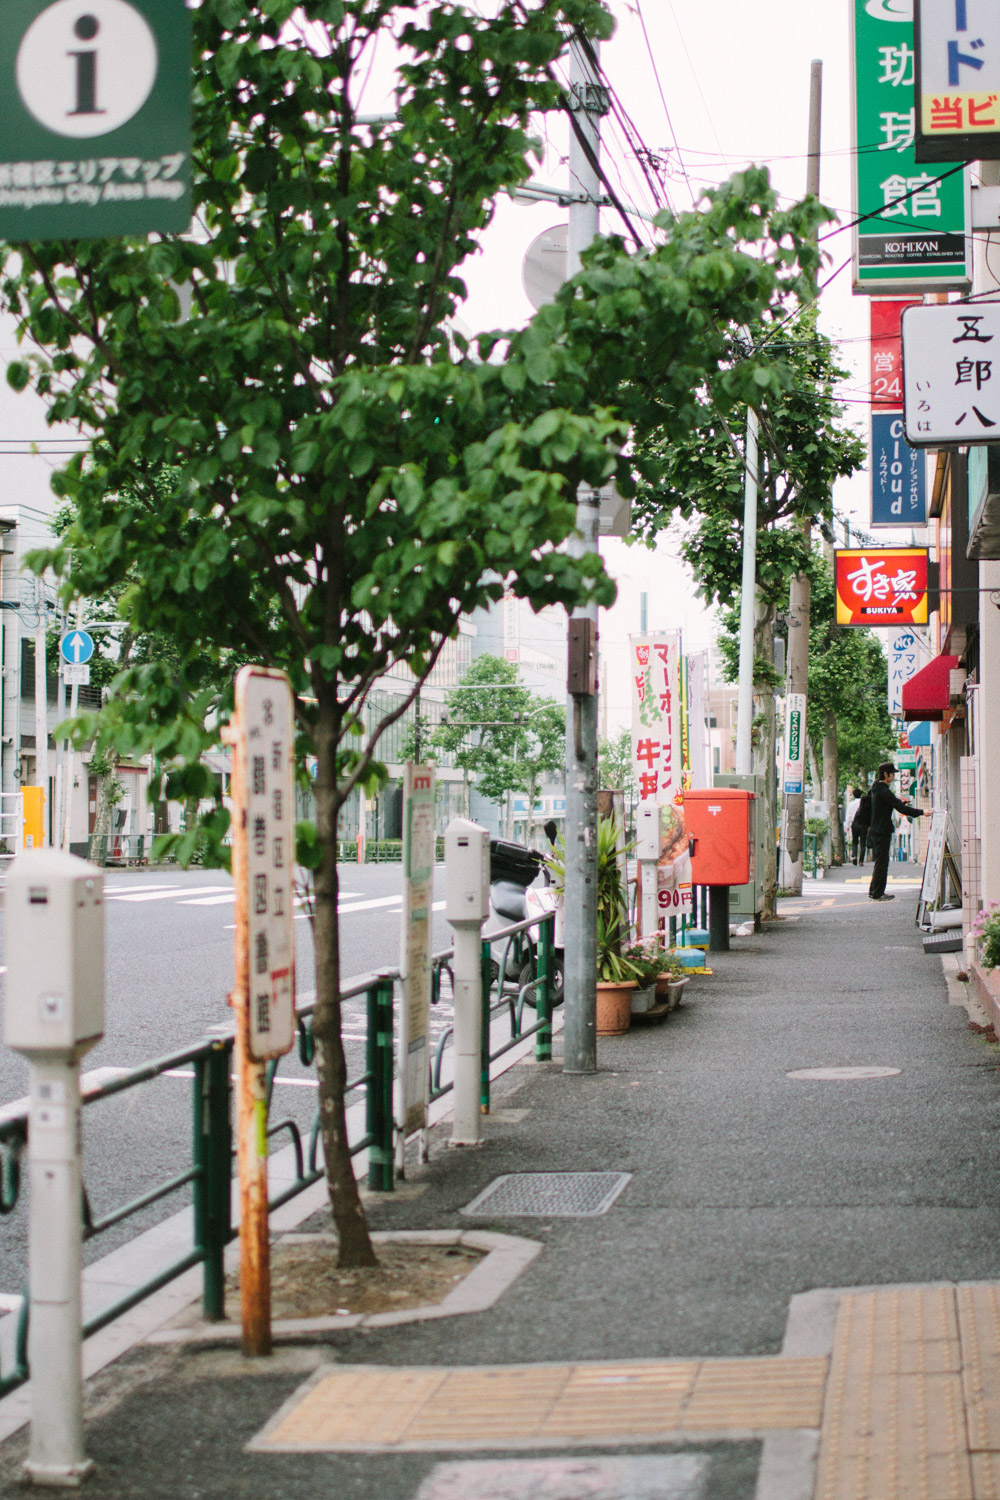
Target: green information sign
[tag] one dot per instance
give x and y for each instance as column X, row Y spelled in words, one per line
column 920, row 238
column 96, row 105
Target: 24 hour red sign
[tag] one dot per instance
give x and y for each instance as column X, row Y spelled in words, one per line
column 881, row 585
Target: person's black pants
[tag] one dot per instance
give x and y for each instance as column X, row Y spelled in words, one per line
column 880, row 844
column 859, row 845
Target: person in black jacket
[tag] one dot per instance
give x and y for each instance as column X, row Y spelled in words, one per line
column 884, row 804
column 860, row 826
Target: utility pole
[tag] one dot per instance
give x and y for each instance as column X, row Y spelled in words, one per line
column 580, row 979
column 793, row 843
column 42, row 709
column 748, row 603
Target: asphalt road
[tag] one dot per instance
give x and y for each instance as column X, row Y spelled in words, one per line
column 169, row 968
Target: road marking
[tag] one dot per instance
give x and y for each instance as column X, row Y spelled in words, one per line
column 10, row 1302
column 292, row 1083
column 226, row 900
column 373, row 905
column 173, row 885
column 169, row 892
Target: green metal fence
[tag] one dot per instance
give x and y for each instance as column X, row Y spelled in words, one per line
column 209, row 1175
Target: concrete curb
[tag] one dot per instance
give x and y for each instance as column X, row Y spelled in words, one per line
column 507, row 1255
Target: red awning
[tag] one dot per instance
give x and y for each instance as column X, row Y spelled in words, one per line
column 927, row 695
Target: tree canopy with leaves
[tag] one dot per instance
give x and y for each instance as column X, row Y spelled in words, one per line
column 295, row 459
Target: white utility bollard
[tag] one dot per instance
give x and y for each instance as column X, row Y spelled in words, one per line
column 54, row 1014
column 647, row 852
column 467, row 904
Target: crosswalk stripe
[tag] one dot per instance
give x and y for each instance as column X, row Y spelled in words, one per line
column 169, row 893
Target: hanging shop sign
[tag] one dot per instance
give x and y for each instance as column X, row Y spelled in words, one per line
column 898, row 474
column 951, row 374
column 881, row 585
column 957, row 75
column 887, row 352
column 906, row 653
column 96, row 105
column 914, row 224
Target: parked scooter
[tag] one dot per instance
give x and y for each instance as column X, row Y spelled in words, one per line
column 515, row 897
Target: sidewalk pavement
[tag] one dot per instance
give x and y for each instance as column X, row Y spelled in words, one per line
column 796, row 1293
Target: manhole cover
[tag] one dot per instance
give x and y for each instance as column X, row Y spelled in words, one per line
column 543, row 1195
column 837, row 1075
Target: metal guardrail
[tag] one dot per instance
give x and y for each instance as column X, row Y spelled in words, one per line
column 210, row 1174
column 119, row 848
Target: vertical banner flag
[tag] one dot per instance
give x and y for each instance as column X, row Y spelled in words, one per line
column 657, row 757
column 913, row 233
column 96, row 106
column 795, row 744
column 656, row 715
column 415, row 944
column 957, row 80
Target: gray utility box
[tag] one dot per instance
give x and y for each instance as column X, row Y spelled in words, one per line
column 748, row 900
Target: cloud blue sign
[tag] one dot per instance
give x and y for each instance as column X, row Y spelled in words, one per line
column 898, row 473
column 76, row 647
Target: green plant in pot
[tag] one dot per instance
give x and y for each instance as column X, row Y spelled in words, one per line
column 617, row 973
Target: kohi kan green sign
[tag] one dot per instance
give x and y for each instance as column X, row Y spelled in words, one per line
column 913, row 229
column 96, row 108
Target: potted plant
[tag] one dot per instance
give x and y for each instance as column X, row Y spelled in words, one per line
column 655, row 970
column 617, row 974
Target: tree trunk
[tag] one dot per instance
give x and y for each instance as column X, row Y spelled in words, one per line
column 798, row 682
column 764, row 753
column 814, row 778
column 354, row 1242
column 831, row 789
column 108, row 797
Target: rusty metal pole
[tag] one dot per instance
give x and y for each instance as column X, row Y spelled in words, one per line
column 251, row 1096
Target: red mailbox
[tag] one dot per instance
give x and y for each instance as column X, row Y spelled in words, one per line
column 718, row 820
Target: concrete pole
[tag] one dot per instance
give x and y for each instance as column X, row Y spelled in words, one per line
column 10, row 745
column 42, row 712
column 69, row 763
column 55, row 1339
column 580, row 976
column 467, row 1125
column 793, row 841
column 748, row 604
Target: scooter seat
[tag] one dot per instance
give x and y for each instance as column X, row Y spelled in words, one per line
column 508, row 900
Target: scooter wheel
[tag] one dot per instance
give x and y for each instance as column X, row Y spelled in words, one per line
column 527, row 975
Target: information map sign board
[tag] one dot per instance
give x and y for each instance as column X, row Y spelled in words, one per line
column 881, row 585
column 913, row 230
column 96, row 106
column 262, row 734
column 415, row 943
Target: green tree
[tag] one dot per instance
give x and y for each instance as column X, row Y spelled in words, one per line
column 304, row 467
column 615, row 765
column 696, row 481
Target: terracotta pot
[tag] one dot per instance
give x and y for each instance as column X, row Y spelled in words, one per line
column 614, row 1008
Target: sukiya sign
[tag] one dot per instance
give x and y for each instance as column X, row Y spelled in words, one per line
column 96, row 101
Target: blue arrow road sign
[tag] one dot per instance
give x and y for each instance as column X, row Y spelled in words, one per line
column 76, row 647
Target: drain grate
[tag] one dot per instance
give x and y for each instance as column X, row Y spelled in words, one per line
column 544, row 1195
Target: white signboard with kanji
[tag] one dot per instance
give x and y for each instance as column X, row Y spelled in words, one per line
column 951, row 374
column 263, row 736
column 656, row 715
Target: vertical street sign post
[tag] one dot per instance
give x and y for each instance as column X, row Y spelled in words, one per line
column 96, row 99
column 415, row 951
column 914, row 229
column 795, row 744
column 262, row 736
column 957, row 80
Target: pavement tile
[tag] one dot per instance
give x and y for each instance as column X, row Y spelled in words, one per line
column 986, row 1476
column 979, row 1319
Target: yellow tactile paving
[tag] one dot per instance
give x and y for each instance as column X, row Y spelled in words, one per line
column 489, row 1406
column 907, row 1406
